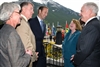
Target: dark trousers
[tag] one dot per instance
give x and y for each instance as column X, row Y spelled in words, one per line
column 41, row 62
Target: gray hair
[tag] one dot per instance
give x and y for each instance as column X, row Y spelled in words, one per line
column 6, row 10
column 93, row 6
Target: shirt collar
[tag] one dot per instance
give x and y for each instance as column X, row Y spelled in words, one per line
column 24, row 17
column 89, row 20
column 39, row 19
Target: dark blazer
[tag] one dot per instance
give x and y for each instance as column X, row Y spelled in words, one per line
column 39, row 35
column 88, row 46
column 1, row 25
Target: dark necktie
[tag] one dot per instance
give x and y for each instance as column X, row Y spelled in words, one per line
column 42, row 26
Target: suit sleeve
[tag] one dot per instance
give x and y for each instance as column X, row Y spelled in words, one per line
column 24, row 33
column 86, row 44
column 16, row 51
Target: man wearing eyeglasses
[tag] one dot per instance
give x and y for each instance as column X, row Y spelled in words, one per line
column 12, row 52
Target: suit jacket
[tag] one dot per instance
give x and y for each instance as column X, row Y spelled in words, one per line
column 39, row 34
column 27, row 37
column 1, row 25
column 69, row 44
column 88, row 46
column 12, row 52
column 36, row 29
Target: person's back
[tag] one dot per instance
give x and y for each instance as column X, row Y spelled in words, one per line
column 59, row 38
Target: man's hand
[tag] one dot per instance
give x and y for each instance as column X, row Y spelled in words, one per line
column 37, row 55
column 29, row 52
column 72, row 57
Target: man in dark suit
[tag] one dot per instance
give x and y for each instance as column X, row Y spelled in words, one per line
column 38, row 28
column 88, row 46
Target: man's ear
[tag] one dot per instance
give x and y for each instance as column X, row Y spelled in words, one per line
column 39, row 11
column 24, row 8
